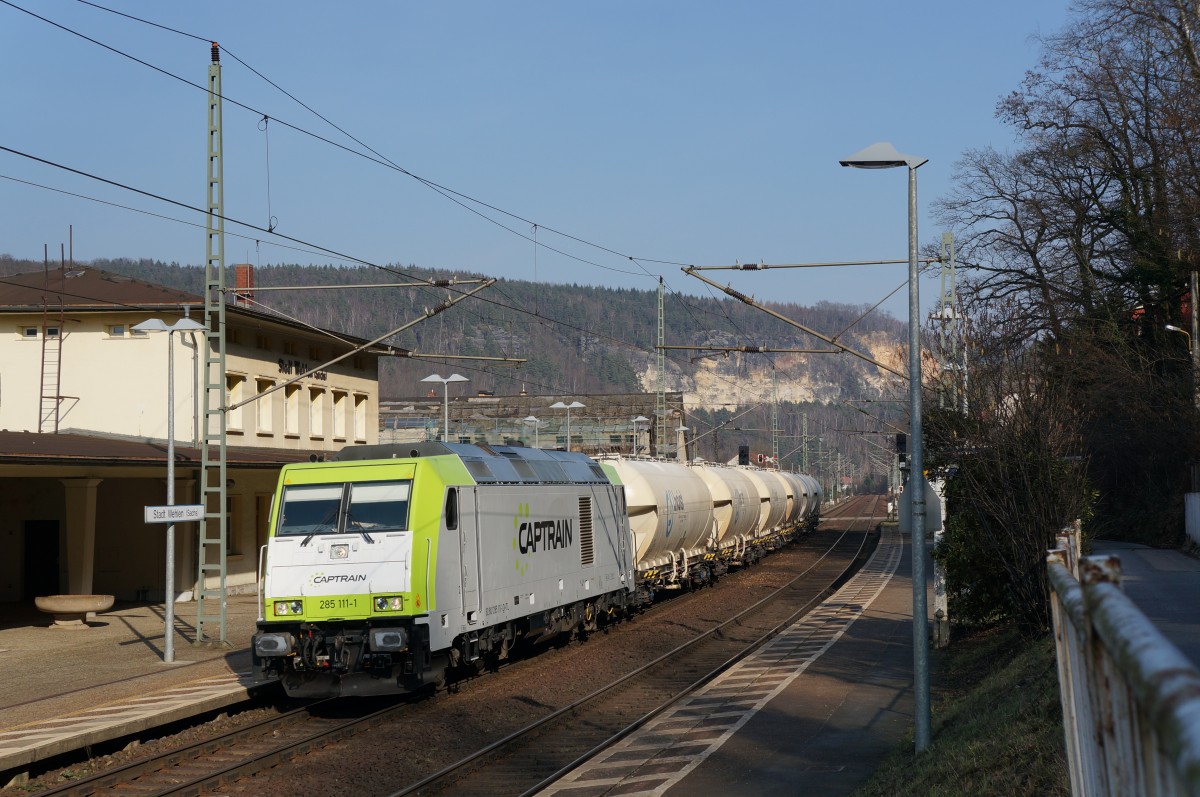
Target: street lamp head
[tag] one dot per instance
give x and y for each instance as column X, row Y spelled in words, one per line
column 445, row 380
column 158, row 325
column 530, row 419
column 882, row 155
column 574, row 405
column 1171, row 327
column 151, row 325
column 187, row 325
column 641, row 419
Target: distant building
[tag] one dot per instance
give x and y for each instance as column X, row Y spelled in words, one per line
column 605, row 424
column 83, row 427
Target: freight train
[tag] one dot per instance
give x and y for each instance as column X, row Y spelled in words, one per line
column 391, row 565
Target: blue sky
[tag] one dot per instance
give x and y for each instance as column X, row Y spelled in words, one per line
column 691, row 132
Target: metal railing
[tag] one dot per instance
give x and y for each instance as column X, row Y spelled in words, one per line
column 1130, row 699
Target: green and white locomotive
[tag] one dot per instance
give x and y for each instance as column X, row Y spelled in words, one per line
column 391, row 563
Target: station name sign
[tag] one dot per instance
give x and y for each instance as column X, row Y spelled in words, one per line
column 180, row 513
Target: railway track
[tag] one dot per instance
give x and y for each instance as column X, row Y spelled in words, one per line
column 198, row 767
column 502, row 768
column 526, row 761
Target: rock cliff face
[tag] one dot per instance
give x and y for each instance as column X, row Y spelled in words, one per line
column 743, row 379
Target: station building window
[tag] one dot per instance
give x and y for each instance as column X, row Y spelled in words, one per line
column 291, row 410
column 235, row 391
column 340, row 407
column 360, row 417
column 262, row 519
column 316, row 412
column 233, row 525
column 264, row 407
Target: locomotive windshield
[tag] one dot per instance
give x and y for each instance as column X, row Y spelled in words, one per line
column 349, row 508
column 377, row 506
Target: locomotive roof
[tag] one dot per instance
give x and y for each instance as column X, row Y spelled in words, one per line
column 492, row 464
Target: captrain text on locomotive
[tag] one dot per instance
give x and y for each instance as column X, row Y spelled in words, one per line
column 389, row 564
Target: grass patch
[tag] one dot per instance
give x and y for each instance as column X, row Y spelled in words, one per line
column 997, row 724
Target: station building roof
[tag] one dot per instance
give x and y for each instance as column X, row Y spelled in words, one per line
column 33, row 448
column 85, row 289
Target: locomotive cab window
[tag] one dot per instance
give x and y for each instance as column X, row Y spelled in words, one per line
column 451, row 509
column 377, row 506
column 310, row 509
column 354, row 508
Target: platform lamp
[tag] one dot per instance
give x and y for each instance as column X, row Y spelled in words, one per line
column 158, row 325
column 445, row 380
column 639, row 423
column 884, row 156
column 574, row 405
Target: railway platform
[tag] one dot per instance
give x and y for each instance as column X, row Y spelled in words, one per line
column 65, row 690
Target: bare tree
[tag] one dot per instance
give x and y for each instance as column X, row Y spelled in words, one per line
column 1016, row 475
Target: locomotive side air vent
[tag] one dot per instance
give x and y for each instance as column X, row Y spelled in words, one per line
column 586, row 547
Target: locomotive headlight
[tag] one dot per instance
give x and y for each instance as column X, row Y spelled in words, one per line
column 339, row 551
column 393, row 603
column 288, row 607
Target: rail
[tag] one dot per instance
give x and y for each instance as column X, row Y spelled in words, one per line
column 1130, row 699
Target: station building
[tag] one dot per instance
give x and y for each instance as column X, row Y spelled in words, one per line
column 83, row 428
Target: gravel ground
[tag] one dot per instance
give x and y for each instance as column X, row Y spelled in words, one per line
column 435, row 732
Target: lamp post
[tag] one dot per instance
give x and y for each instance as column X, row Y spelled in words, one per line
column 574, row 405
column 1192, row 353
column 158, row 325
column 531, row 420
column 445, row 380
column 884, row 156
column 637, row 428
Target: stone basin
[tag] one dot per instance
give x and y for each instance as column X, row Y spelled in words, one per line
column 70, row 611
